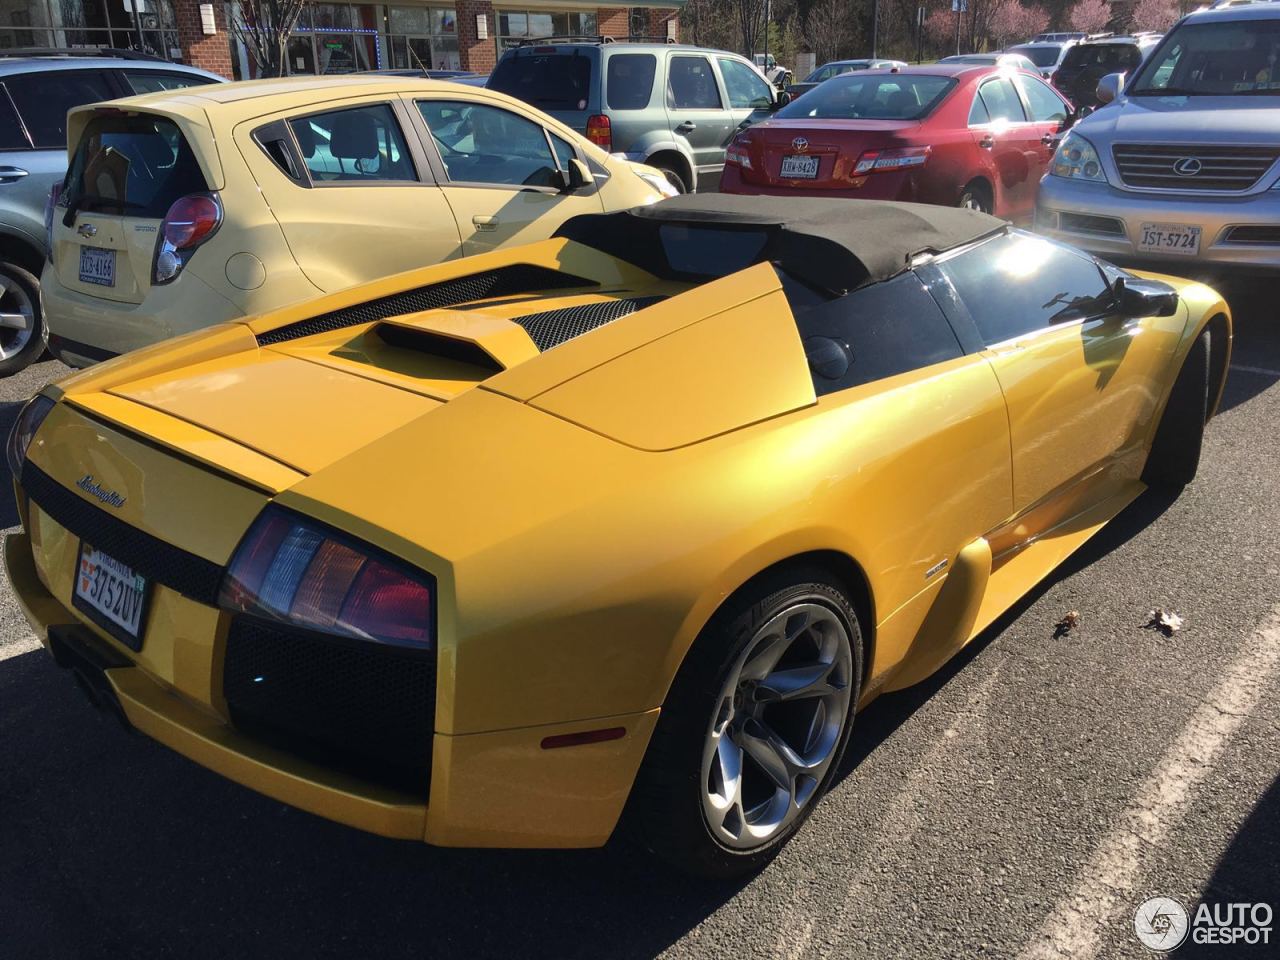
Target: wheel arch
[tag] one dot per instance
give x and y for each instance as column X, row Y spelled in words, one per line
column 20, row 250
column 987, row 183
column 676, row 159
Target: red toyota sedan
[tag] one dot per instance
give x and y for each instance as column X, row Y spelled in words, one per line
column 955, row 135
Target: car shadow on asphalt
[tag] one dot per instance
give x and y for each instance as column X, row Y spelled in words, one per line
column 116, row 847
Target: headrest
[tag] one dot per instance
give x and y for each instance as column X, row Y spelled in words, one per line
column 354, row 136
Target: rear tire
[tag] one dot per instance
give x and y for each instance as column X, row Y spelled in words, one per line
column 977, row 196
column 21, row 319
column 736, row 766
column 1175, row 451
column 673, row 177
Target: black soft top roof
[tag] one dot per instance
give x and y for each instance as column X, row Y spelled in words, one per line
column 836, row 245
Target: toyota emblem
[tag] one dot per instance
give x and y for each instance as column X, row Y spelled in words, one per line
column 800, row 143
column 1187, row 166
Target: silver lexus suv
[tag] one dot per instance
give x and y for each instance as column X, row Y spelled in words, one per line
column 1180, row 165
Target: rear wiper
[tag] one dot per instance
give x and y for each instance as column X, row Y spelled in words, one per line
column 82, row 200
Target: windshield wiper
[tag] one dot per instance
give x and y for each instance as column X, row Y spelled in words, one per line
column 82, row 200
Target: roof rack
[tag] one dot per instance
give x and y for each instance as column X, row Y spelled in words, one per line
column 118, row 53
column 573, row 38
column 1104, row 35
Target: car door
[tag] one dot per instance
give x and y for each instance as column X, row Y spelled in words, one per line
column 749, row 95
column 698, row 115
column 1047, row 112
column 34, row 118
column 354, row 195
column 500, row 171
column 1009, row 146
column 1081, row 383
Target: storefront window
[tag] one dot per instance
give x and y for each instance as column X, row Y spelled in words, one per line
column 424, row 38
column 81, row 23
column 514, row 26
column 333, row 38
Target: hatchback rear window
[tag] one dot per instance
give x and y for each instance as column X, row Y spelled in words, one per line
column 881, row 97
column 549, row 81
column 136, row 166
column 630, row 81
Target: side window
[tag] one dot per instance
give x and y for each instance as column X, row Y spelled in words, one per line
column 12, row 136
column 747, row 90
column 629, row 80
column 1001, row 101
column 151, row 81
column 876, row 332
column 978, row 112
column 1040, row 283
column 362, row 143
column 1045, row 105
column 483, row 144
column 691, row 85
column 564, row 152
column 43, row 99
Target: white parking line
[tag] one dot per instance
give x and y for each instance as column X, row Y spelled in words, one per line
column 1260, row 371
column 18, row 648
column 1104, row 894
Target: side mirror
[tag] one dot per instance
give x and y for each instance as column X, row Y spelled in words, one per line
column 1137, row 298
column 781, row 99
column 576, row 177
column 1109, row 88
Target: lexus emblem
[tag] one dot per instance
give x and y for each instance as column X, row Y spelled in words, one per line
column 1187, row 167
column 800, row 143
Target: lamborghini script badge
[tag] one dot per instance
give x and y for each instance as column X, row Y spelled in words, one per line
column 95, row 489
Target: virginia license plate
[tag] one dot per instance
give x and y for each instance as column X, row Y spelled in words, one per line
column 800, row 168
column 1176, row 238
column 98, row 266
column 112, row 594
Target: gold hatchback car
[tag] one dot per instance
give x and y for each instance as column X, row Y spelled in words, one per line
column 188, row 208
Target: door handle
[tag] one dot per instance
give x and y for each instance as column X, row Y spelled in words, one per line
column 687, row 127
column 11, row 174
column 485, row 224
column 986, row 143
column 1049, row 139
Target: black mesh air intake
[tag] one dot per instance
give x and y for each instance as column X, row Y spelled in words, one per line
column 190, row 575
column 502, row 282
column 556, row 326
column 365, row 708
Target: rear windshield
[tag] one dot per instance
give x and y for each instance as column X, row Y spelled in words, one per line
column 136, row 166
column 552, row 81
column 1225, row 58
column 879, row 97
column 1107, row 57
column 629, row 84
column 709, row 252
column 1040, row 56
column 835, row 69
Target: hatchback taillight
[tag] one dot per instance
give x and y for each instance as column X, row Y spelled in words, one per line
column 300, row 572
column 191, row 221
column 600, row 132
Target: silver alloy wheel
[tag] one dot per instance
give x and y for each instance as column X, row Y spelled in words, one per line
column 777, row 723
column 17, row 317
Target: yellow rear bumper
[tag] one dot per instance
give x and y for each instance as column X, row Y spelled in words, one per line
column 497, row 789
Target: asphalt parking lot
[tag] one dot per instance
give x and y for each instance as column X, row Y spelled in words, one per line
column 1022, row 803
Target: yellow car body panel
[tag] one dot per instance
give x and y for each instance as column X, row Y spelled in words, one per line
column 584, row 510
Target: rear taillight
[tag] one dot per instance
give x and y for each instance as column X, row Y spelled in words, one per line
column 301, row 573
column 50, row 205
column 738, row 152
column 881, row 161
column 600, row 132
column 191, row 221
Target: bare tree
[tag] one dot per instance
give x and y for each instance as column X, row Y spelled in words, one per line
column 750, row 17
column 826, row 29
column 263, row 26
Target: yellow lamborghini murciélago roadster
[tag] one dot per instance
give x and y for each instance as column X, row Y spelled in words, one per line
column 637, row 516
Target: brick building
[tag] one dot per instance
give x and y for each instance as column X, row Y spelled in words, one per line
column 330, row 37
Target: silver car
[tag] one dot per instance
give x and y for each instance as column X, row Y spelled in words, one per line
column 1182, row 164
column 36, row 91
